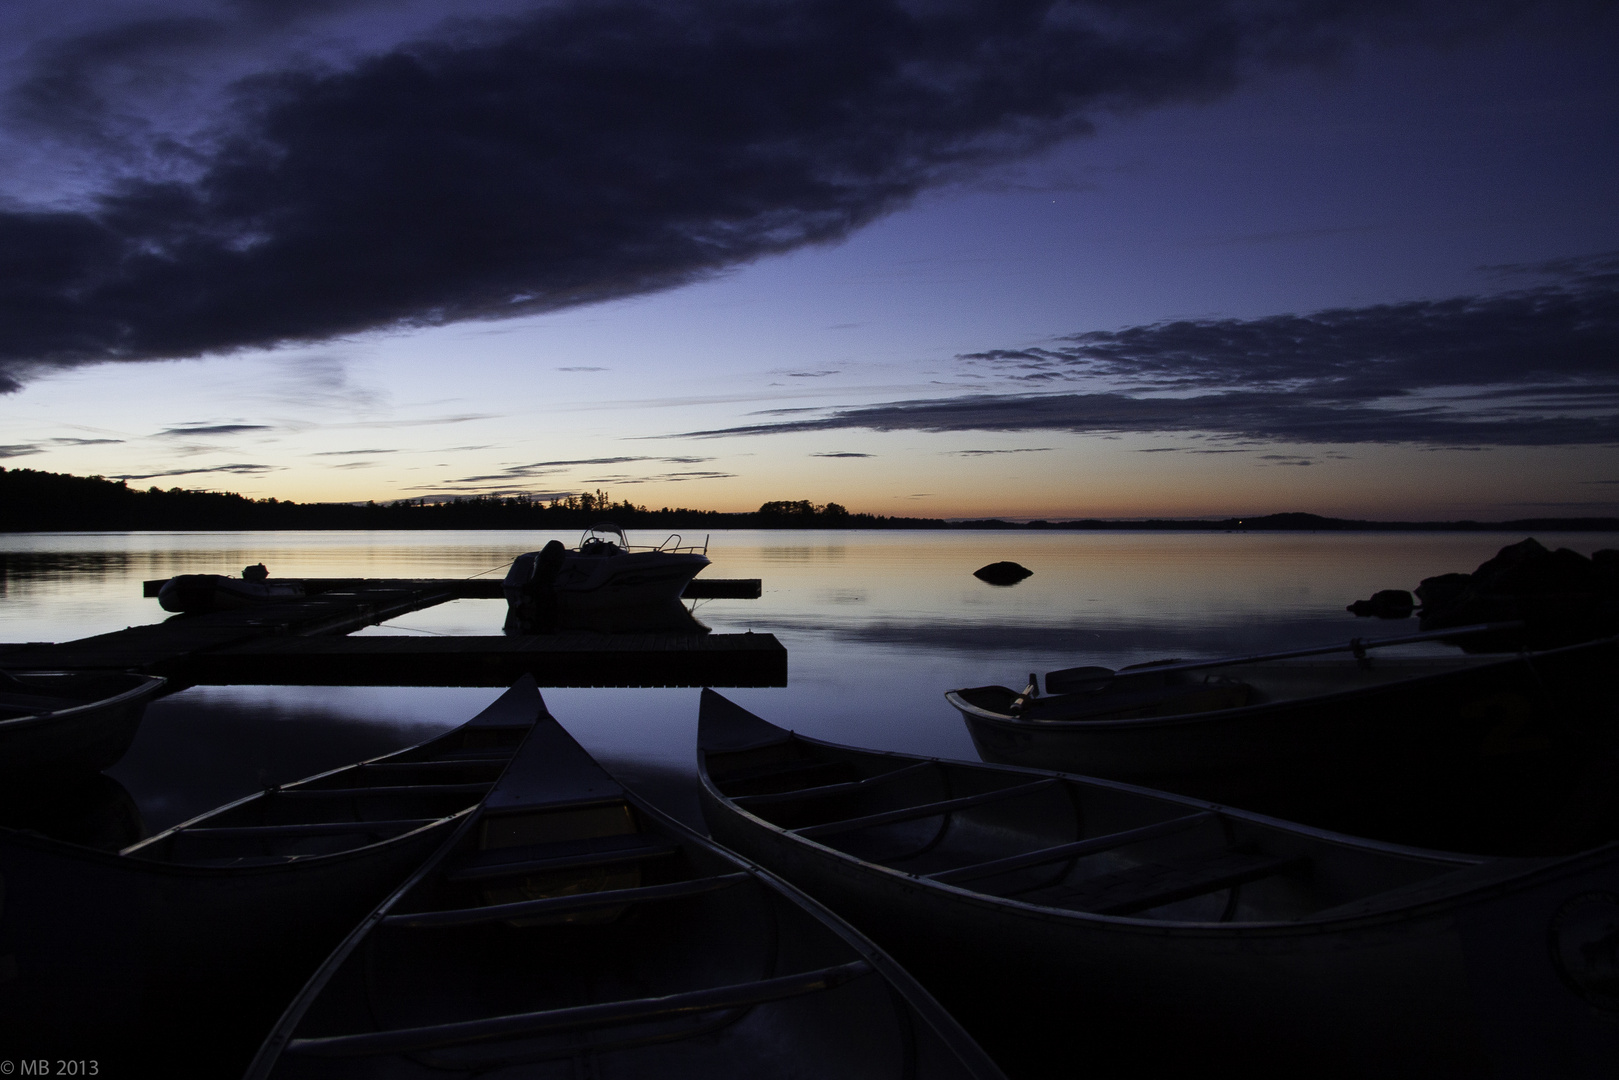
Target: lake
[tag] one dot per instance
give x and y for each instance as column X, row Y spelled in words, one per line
column 878, row 625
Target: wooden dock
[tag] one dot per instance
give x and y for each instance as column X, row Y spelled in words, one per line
column 489, row 588
column 303, row 642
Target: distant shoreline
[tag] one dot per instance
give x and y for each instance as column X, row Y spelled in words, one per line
column 32, row 501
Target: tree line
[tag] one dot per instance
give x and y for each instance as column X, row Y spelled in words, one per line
column 33, row 501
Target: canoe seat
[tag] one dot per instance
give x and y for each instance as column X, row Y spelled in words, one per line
column 563, row 905
column 1078, row 849
column 824, row 790
column 924, row 810
column 788, row 775
column 605, row 1014
column 564, row 855
column 1151, row 885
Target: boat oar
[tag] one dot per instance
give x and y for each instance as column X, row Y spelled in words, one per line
column 1074, row 680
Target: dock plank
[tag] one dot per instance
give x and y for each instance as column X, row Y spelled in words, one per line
column 301, row 642
column 578, row 659
column 489, row 588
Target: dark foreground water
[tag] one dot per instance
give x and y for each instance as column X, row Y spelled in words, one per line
column 877, row 626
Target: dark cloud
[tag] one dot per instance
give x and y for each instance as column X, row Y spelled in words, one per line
column 841, row 454
column 488, row 483
column 239, row 469
column 665, row 478
column 352, row 453
column 1534, row 367
column 1015, row 450
column 573, row 153
column 24, row 449
column 185, row 430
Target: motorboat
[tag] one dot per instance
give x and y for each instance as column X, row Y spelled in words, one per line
column 58, row 722
column 604, row 573
column 198, row 936
column 1462, row 751
column 191, row 593
column 1127, row 932
column 570, row 929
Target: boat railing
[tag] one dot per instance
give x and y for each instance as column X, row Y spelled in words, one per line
column 673, row 545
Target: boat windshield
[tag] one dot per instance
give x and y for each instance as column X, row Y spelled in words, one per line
column 603, row 539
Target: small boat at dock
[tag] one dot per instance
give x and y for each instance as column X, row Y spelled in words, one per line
column 571, row 929
column 1126, row 932
column 192, row 593
column 198, row 936
column 1476, row 752
column 54, row 723
column 603, row 574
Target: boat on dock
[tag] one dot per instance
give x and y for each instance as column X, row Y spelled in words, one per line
column 1479, row 752
column 603, row 574
column 197, row 937
column 571, row 929
column 1132, row 932
column 57, row 723
column 191, row 594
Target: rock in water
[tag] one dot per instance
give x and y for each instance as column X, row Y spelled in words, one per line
column 1002, row 573
column 1386, row 604
column 1561, row 595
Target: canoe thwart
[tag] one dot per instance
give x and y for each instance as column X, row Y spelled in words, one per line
column 1148, row 886
column 1075, row 850
column 634, row 1010
column 832, row 789
column 561, row 905
column 925, row 810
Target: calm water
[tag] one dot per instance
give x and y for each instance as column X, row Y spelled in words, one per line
column 877, row 626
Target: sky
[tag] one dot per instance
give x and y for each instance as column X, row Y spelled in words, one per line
column 951, row 259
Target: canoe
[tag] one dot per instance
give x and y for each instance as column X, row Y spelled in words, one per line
column 182, row 949
column 571, row 930
column 1484, row 753
column 1130, row 932
column 57, row 723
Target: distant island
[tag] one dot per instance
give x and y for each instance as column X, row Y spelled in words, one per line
column 34, row 501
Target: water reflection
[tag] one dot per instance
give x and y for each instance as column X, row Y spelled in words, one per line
column 877, row 625
column 668, row 616
column 204, row 747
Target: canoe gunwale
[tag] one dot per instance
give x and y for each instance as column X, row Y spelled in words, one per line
column 148, row 686
column 676, row 835
column 1457, row 666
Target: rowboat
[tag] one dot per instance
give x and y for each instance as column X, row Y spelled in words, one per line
column 570, row 929
column 1129, row 932
column 1475, row 752
column 55, row 723
column 188, row 944
column 192, row 593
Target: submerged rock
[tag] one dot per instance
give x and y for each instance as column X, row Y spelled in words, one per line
column 1002, row 573
column 1386, row 604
